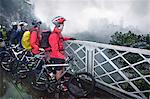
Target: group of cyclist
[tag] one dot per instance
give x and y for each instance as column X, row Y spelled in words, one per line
column 55, row 40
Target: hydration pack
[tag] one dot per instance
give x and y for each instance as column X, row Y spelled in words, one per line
column 44, row 42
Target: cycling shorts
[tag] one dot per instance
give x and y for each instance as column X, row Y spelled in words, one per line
column 57, row 61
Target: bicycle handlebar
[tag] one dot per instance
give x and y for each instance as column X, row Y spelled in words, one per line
column 56, row 65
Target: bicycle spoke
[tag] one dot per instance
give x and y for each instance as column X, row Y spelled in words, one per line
column 78, row 84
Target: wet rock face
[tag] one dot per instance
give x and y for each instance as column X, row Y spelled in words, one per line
column 15, row 10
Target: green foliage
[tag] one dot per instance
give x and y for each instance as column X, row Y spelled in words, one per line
column 127, row 39
column 131, row 40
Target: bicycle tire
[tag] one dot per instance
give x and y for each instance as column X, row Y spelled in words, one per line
column 36, row 84
column 81, row 84
column 51, row 87
column 6, row 59
column 19, row 70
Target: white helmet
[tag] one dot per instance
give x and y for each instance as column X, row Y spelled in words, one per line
column 23, row 24
column 14, row 23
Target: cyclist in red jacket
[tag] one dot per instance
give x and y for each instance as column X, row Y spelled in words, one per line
column 35, row 37
column 56, row 43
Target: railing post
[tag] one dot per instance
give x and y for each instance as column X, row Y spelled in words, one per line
column 90, row 60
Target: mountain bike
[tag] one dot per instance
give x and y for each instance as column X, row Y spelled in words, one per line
column 12, row 54
column 79, row 84
column 19, row 62
column 7, row 58
column 21, row 68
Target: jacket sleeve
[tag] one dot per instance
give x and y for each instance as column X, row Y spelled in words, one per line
column 66, row 38
column 48, row 49
column 33, row 39
column 53, row 41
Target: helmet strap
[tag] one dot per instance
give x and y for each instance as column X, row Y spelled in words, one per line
column 60, row 27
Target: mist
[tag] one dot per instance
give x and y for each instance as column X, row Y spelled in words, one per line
column 100, row 18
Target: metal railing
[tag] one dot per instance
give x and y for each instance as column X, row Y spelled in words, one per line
column 122, row 68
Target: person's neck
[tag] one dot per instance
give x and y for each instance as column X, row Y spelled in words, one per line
column 57, row 30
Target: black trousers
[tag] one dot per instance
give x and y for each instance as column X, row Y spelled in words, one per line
column 57, row 61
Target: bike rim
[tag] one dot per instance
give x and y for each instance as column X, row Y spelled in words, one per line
column 81, row 85
column 6, row 61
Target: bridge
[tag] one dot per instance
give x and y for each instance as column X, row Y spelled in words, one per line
column 124, row 69
column 123, row 72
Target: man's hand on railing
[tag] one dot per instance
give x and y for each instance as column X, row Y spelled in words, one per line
column 72, row 38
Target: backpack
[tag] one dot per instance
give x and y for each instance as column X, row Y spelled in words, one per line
column 44, row 42
column 26, row 40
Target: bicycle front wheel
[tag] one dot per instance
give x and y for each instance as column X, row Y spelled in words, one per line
column 81, row 84
column 38, row 82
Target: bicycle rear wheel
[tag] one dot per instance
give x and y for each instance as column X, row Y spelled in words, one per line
column 6, row 60
column 81, row 84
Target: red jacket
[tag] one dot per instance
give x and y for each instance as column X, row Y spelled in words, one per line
column 34, row 40
column 56, row 42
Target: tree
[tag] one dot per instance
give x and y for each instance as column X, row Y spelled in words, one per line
column 131, row 40
column 123, row 39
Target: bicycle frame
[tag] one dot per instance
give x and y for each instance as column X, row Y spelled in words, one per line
column 16, row 53
column 44, row 67
column 25, row 59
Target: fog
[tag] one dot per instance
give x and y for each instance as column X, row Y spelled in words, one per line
column 15, row 10
column 98, row 17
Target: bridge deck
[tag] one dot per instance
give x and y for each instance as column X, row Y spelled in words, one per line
column 9, row 90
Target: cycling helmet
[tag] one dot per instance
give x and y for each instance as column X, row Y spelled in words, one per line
column 14, row 23
column 23, row 24
column 58, row 20
column 36, row 22
column 3, row 27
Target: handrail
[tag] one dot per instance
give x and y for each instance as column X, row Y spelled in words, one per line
column 109, row 46
column 119, row 67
